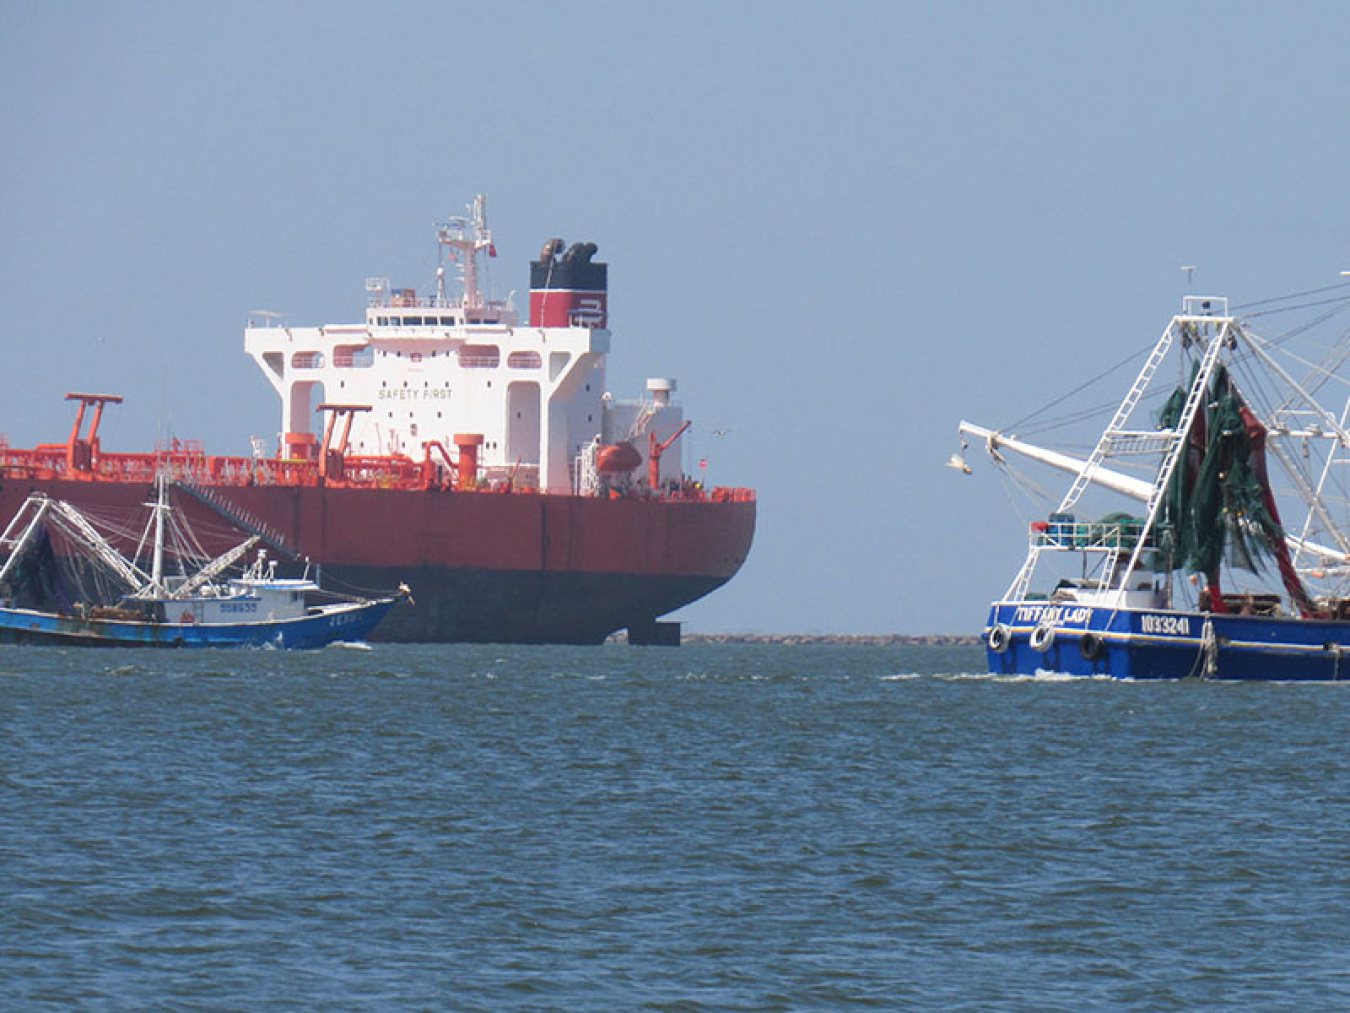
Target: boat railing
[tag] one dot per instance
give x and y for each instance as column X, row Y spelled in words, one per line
column 408, row 299
column 1204, row 306
column 185, row 462
column 1087, row 536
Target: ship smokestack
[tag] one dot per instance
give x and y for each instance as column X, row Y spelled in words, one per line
column 571, row 290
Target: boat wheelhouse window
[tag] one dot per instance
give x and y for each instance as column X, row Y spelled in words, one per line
column 447, row 321
column 479, row 356
column 524, row 360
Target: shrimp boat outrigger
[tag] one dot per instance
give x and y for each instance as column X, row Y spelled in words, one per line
column 1200, row 578
column 123, row 606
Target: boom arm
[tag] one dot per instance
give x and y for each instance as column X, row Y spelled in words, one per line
column 217, row 565
column 1126, row 485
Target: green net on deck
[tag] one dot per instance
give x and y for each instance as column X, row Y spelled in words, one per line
column 1218, row 506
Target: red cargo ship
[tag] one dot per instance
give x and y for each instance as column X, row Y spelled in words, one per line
column 444, row 444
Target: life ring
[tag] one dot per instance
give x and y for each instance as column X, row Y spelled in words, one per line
column 187, row 618
column 1091, row 645
column 999, row 638
column 1041, row 638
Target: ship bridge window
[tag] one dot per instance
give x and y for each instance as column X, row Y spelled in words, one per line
column 307, row 360
column 480, row 357
column 353, row 356
column 524, row 360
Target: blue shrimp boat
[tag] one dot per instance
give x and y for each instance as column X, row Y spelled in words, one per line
column 1198, row 576
column 197, row 609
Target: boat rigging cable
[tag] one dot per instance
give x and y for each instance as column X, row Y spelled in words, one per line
column 1340, row 304
column 1294, row 295
column 1017, row 426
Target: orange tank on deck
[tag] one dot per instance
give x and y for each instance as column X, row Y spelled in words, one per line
column 617, row 458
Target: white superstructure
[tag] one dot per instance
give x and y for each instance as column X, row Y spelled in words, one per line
column 434, row 368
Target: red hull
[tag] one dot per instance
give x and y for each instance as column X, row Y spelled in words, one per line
column 483, row 566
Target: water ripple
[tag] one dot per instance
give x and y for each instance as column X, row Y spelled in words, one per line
column 713, row 828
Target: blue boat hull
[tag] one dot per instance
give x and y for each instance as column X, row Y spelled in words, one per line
column 22, row 626
column 1163, row 644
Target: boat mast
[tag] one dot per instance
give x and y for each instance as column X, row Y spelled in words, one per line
column 464, row 237
column 157, row 567
column 39, row 504
column 1210, row 332
column 1319, row 511
column 1197, row 328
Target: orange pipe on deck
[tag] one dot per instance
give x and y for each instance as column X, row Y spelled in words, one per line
column 467, row 471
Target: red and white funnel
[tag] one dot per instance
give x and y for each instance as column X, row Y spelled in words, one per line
column 571, row 290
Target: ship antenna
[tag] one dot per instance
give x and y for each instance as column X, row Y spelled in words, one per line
column 466, row 236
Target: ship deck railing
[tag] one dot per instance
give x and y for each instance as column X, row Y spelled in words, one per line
column 184, row 461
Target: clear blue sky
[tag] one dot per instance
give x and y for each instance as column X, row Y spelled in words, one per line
column 842, row 227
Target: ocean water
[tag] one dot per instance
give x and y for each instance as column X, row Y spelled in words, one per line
column 708, row 828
